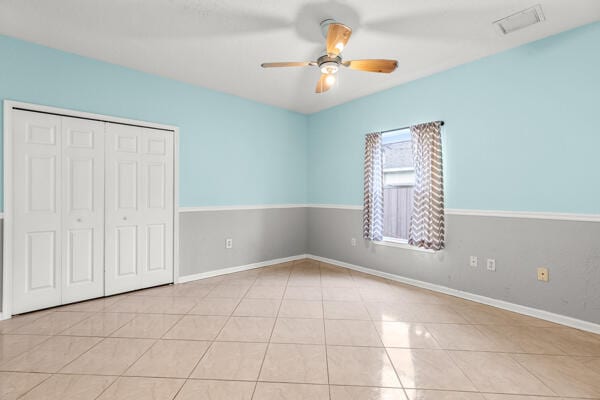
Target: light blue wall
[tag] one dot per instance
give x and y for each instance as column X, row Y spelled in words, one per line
column 232, row 151
column 521, row 133
column 522, row 129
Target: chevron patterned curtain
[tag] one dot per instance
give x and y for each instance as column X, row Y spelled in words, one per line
column 427, row 221
column 373, row 205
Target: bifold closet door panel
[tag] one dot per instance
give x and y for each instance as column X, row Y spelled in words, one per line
column 157, row 206
column 82, row 209
column 139, row 208
column 36, row 202
column 122, row 209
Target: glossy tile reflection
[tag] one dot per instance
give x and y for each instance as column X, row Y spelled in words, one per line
column 295, row 331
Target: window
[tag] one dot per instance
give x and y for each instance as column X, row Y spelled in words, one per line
column 413, row 210
column 398, row 184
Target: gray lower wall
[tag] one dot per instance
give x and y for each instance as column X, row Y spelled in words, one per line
column 1, row 258
column 571, row 250
column 258, row 235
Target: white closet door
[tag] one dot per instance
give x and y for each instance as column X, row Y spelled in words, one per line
column 157, row 207
column 37, row 211
column 83, row 209
column 139, row 208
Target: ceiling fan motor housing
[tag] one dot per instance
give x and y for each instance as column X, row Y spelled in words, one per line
column 328, row 64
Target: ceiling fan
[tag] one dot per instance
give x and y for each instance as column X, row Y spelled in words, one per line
column 337, row 36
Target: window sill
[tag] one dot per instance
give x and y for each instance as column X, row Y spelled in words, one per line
column 401, row 244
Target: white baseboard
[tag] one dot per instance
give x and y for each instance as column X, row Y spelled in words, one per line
column 505, row 305
column 231, row 270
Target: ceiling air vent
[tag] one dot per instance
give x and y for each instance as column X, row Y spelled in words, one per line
column 520, row 20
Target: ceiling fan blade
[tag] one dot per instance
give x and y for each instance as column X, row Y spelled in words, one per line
column 337, row 37
column 288, row 64
column 383, row 66
column 325, row 83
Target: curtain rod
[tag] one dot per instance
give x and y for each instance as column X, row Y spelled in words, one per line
column 406, row 127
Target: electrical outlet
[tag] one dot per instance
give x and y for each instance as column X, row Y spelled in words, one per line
column 542, row 274
column 473, row 261
column 353, row 242
column 491, row 264
column 228, row 243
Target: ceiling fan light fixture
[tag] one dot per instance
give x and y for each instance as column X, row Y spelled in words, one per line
column 329, row 67
column 330, row 80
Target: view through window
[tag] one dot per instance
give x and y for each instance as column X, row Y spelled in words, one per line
column 398, row 184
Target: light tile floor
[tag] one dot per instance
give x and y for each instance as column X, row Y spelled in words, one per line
column 294, row 331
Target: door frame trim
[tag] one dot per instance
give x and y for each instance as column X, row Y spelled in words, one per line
column 7, row 242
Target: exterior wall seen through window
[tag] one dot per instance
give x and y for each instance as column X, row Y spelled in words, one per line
column 398, row 183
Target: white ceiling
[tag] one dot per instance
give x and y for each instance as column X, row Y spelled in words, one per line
column 220, row 44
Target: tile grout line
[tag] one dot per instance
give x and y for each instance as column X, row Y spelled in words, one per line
column 297, row 383
column 102, row 339
column 35, row 386
column 50, row 375
column 43, row 313
column 186, row 380
column 117, row 377
column 25, row 351
column 461, row 370
column 270, row 336
column 130, row 365
column 143, row 353
column 533, row 374
column 110, row 333
column 48, row 315
column 54, row 373
column 448, row 351
column 324, row 330
column 381, row 339
column 220, row 330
